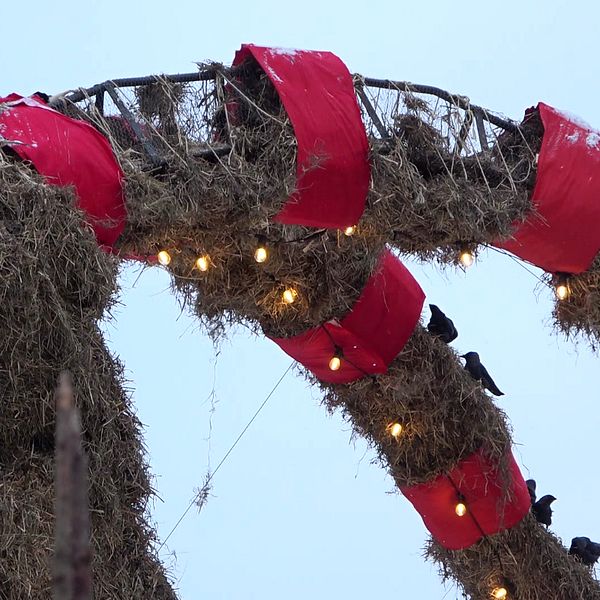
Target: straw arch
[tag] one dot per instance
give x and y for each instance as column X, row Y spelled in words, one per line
column 199, row 184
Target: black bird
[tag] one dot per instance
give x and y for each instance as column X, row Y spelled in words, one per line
column 585, row 550
column 531, row 485
column 478, row 372
column 42, row 95
column 541, row 510
column 441, row 326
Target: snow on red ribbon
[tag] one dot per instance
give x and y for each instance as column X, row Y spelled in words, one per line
column 565, row 235
column 482, row 488
column 317, row 92
column 68, row 152
column 371, row 335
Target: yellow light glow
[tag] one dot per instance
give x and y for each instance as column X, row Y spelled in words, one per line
column 335, row 363
column 203, row 263
column 350, row 230
column 562, row 291
column 289, row 295
column 164, row 258
column 261, row 254
column 396, row 429
column 460, row 509
column 500, row 593
column 466, row 258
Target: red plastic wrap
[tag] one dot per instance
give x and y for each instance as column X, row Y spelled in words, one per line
column 69, row 152
column 565, row 237
column 317, row 92
column 371, row 335
column 483, row 492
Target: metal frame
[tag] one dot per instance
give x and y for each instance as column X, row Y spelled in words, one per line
column 148, row 146
column 473, row 112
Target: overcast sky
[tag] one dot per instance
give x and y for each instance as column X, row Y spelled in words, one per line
column 297, row 509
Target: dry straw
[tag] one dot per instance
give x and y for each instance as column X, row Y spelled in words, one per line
column 55, row 286
column 579, row 313
column 528, row 560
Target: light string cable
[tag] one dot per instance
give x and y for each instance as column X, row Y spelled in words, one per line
column 235, row 443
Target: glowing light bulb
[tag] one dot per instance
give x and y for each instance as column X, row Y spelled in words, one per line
column 460, row 509
column 261, row 254
column 500, row 593
column 335, row 363
column 203, row 263
column 164, row 258
column 289, row 295
column 350, row 230
column 395, row 429
column 562, row 291
column 466, row 258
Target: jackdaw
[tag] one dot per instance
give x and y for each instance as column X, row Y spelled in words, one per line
column 441, row 326
column 541, row 510
column 585, row 550
column 478, row 372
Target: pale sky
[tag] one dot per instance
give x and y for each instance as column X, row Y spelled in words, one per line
column 298, row 510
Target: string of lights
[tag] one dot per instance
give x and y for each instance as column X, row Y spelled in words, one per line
column 261, row 252
column 264, row 247
column 336, row 361
column 559, row 281
column 500, row 591
column 502, row 588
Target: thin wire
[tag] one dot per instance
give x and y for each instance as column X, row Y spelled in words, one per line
column 461, row 496
column 519, row 261
column 239, row 437
column 338, row 347
column 306, row 238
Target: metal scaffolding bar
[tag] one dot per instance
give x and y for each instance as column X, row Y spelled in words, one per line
column 210, row 74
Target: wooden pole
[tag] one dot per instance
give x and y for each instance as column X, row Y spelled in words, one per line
column 72, row 558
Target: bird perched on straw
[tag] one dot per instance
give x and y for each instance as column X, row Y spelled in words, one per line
column 441, row 326
column 531, row 485
column 42, row 95
column 479, row 373
column 542, row 511
column 585, row 550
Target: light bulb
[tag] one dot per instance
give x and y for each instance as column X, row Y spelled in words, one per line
column 562, row 291
column 395, row 429
column 335, row 363
column 164, row 258
column 261, row 254
column 203, row 263
column 289, row 295
column 500, row 593
column 460, row 509
column 466, row 258
column 350, row 230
